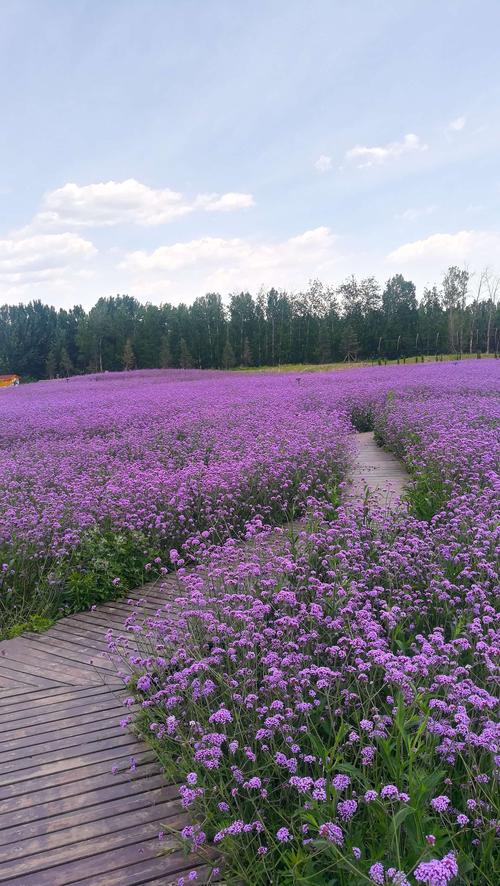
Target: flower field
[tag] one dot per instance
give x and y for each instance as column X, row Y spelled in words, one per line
column 101, row 476
column 328, row 694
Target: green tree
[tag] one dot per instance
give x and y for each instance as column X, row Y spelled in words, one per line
column 455, row 287
column 51, row 364
column 350, row 344
column 185, row 358
column 399, row 306
column 228, row 358
column 128, row 358
column 243, row 326
column 65, row 362
column 246, row 358
column 165, row 352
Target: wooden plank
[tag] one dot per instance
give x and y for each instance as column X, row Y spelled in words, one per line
column 18, row 675
column 76, row 814
column 92, row 784
column 105, row 727
column 79, row 638
column 41, row 754
column 83, row 631
column 69, row 769
column 63, row 864
column 9, row 686
column 100, row 695
column 91, row 830
column 29, row 651
column 91, row 622
column 54, row 696
column 65, row 649
column 46, row 664
column 377, row 472
column 102, row 620
column 58, row 720
column 8, row 696
column 138, row 874
column 127, row 609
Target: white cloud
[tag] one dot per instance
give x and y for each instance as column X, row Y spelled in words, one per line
column 323, row 163
column 43, row 266
column 225, row 263
column 478, row 248
column 41, row 255
column 226, row 202
column 457, row 124
column 106, row 204
column 364, row 156
column 414, row 213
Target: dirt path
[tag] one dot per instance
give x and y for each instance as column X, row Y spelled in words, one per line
column 81, row 799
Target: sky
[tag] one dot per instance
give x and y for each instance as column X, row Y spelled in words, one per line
column 168, row 148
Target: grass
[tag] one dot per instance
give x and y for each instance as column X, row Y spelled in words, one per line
column 327, row 367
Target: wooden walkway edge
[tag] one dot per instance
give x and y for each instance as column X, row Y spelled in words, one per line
column 83, row 800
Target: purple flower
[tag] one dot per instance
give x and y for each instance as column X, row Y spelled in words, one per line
column 376, row 873
column 389, row 792
column 220, row 716
column 341, row 782
column 331, row 832
column 437, row 873
column 440, row 804
column 283, row 835
column 254, row 783
column 346, row 809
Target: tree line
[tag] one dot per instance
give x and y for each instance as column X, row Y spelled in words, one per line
column 356, row 320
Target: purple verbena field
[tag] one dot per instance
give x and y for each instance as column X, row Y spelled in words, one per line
column 327, row 693
column 101, row 476
column 330, row 695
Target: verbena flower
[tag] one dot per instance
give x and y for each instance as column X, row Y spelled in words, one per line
column 437, row 873
column 440, row 804
column 283, row 835
column 331, row 832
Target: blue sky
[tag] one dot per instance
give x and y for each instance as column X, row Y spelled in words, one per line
column 166, row 148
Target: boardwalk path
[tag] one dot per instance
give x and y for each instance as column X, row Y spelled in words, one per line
column 82, row 800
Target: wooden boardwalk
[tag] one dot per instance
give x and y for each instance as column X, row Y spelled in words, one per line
column 82, row 800
column 376, row 473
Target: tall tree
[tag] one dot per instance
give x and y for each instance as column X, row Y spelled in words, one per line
column 455, row 287
column 128, row 358
column 165, row 352
column 185, row 358
column 228, row 358
column 243, row 325
column 399, row 306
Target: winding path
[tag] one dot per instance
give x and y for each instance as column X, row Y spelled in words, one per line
column 81, row 799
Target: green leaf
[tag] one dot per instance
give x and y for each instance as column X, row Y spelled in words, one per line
column 401, row 815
